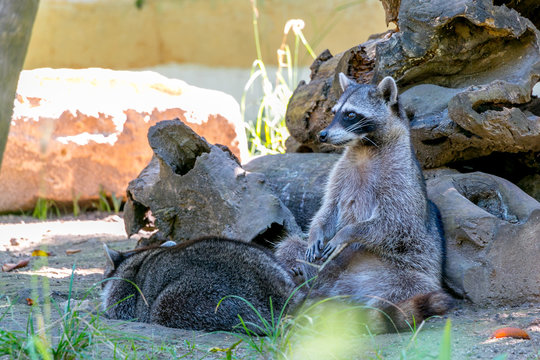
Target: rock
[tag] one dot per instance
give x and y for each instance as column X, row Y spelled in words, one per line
column 491, row 225
column 531, row 185
column 192, row 189
column 298, row 180
column 76, row 130
column 466, row 71
column 492, row 232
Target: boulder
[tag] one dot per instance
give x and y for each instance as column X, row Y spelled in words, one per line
column 492, row 232
column 298, row 180
column 466, row 70
column 531, row 185
column 192, row 189
column 74, row 131
column 491, row 225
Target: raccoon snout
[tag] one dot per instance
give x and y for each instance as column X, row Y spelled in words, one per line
column 323, row 136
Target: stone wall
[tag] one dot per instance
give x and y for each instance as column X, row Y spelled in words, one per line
column 115, row 34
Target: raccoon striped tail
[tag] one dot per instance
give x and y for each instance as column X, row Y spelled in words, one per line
column 411, row 312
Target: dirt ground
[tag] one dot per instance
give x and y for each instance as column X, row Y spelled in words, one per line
column 77, row 243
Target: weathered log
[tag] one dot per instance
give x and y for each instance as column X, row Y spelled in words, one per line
column 192, row 189
column 299, row 180
column 491, row 225
column 466, row 70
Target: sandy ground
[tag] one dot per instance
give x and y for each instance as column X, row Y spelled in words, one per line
column 19, row 236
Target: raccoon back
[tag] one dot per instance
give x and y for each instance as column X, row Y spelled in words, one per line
column 182, row 285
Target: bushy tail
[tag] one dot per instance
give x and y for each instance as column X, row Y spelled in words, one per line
column 411, row 312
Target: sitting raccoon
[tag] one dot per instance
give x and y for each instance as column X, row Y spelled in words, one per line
column 375, row 208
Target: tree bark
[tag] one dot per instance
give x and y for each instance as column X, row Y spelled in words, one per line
column 16, row 21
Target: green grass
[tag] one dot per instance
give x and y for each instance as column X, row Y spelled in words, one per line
column 74, row 333
column 268, row 133
column 44, row 208
column 76, row 207
column 327, row 329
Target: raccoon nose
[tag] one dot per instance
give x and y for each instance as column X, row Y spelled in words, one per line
column 323, row 136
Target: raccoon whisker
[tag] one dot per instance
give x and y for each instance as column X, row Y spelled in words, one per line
column 356, row 126
column 371, row 141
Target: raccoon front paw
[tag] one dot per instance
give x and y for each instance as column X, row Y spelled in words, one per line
column 328, row 250
column 314, row 250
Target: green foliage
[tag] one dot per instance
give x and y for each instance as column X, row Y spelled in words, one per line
column 327, row 329
column 76, row 208
column 446, row 342
column 117, row 203
column 103, row 204
column 268, row 134
column 44, row 208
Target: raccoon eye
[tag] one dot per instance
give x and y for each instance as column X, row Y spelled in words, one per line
column 351, row 115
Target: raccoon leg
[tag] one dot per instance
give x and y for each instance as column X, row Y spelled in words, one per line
column 289, row 252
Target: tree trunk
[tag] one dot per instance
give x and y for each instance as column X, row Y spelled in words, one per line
column 16, row 21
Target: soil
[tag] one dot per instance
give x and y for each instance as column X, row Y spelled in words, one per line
column 61, row 238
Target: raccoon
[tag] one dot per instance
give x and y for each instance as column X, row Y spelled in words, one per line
column 181, row 285
column 375, row 208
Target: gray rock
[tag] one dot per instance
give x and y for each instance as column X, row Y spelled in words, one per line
column 491, row 225
column 492, row 232
column 466, row 70
column 531, row 185
column 297, row 179
column 192, row 189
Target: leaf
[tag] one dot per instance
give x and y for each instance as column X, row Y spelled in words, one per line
column 446, row 342
column 512, row 332
column 20, row 264
column 40, row 253
column 29, row 301
column 72, row 251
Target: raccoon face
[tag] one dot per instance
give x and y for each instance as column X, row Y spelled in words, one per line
column 361, row 111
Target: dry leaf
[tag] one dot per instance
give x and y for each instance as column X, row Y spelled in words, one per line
column 40, row 253
column 29, row 301
column 72, row 251
column 13, row 242
column 512, row 332
column 20, row 264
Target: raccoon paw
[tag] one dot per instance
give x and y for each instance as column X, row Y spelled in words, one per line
column 328, row 250
column 297, row 270
column 314, row 250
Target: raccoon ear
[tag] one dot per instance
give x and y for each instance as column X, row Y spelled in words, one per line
column 113, row 257
column 388, row 90
column 344, row 81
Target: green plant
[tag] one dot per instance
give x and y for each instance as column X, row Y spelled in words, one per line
column 44, row 208
column 117, row 203
column 103, row 204
column 74, row 335
column 446, row 342
column 269, row 132
column 76, row 208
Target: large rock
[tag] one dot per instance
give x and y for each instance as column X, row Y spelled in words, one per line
column 491, row 225
column 76, row 130
column 192, row 189
column 298, row 180
column 466, row 69
column 492, row 230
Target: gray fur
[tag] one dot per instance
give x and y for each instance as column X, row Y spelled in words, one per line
column 183, row 284
column 375, row 201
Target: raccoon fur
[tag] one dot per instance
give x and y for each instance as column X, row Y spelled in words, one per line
column 181, row 285
column 376, row 209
